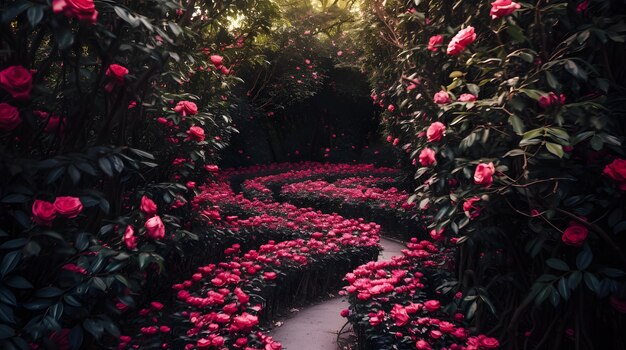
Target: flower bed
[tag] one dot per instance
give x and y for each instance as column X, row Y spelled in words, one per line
column 394, row 304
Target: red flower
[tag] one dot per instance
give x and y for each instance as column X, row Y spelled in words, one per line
column 391, row 108
column 582, row 7
column 244, row 321
column 155, row 228
column 211, row 168
column 344, row 313
column 148, row 206
column 185, row 108
column 43, row 212
column 461, row 40
column 551, row 99
column 501, row 8
column 427, row 157
column 435, row 42
column 618, row 304
column 17, row 81
column 616, row 171
column 129, row 238
column 423, row 345
column 217, row 60
column 470, row 210
column 269, row 276
column 84, row 10
column 575, row 234
column 117, row 72
column 467, row 98
column 9, row 117
column 432, row 305
column 442, row 98
column 435, row 131
column 196, row 133
column 483, row 175
column 75, row 268
column 399, row 314
column 68, row 207
column 488, row 343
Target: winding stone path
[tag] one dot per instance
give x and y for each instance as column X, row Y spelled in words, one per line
column 316, row 326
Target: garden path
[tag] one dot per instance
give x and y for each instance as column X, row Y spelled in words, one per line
column 315, row 327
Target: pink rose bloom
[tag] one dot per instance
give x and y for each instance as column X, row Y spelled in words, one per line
column 68, row 207
column 616, row 171
column 196, row 133
column 435, row 42
column 129, row 238
column 155, row 228
column 43, row 212
column 467, row 98
column 399, row 315
column 435, row 131
column 148, row 206
column 9, row 117
column 461, row 40
column 185, row 108
column 575, row 234
column 432, row 305
column 17, row 81
column 84, row 10
column 483, row 175
column 217, row 60
column 442, row 98
column 117, row 72
column 471, row 211
column 427, row 157
column 501, row 8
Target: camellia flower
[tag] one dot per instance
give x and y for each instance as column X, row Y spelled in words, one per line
column 148, row 206
column 483, row 175
column 432, row 305
column 501, row 8
column 196, row 133
column 616, row 171
column 435, row 42
column 84, row 10
column 117, row 72
column 467, row 98
column 217, row 60
column 435, row 131
column 185, row 108
column 470, row 210
column 618, row 304
column 399, row 315
column 68, row 207
column 9, row 117
column 442, row 98
column 155, row 227
column 17, row 81
column 129, row 238
column 43, row 212
column 551, row 99
column 211, row 168
column 575, row 234
column 427, row 157
column 582, row 7
column 391, row 108
column 461, row 40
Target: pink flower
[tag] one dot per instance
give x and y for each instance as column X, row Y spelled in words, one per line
column 217, row 60
column 501, row 8
column 432, row 305
column 575, row 234
column 84, row 10
column 75, row 268
column 185, row 108
column 9, row 117
column 129, row 238
column 435, row 131
column 391, row 108
column 471, row 211
column 17, row 81
column 427, row 157
column 196, row 133
column 344, row 313
column 43, row 212
column 68, row 207
column 618, row 304
column 467, row 98
column 582, row 7
column 442, row 98
column 148, row 206
column 117, row 72
column 435, row 42
column 211, row 168
column 155, row 228
column 461, row 40
column 616, row 171
column 399, row 314
column 551, row 99
column 483, row 175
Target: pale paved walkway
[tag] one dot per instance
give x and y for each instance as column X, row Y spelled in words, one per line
column 316, row 326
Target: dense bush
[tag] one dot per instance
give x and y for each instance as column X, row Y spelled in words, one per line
column 513, row 112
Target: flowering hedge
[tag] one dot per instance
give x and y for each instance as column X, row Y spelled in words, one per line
column 511, row 111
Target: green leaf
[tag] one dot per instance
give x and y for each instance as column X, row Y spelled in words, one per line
column 552, row 81
column 583, row 259
column 592, row 282
column 563, row 288
column 555, row 149
column 8, row 14
column 517, row 124
column 35, row 15
column 557, row 264
column 9, row 262
column 574, row 279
